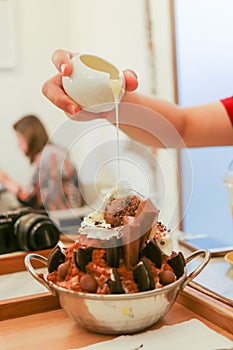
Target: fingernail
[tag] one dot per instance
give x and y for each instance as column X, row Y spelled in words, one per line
column 131, row 74
column 63, row 67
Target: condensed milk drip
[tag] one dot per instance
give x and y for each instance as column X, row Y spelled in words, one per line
column 116, row 85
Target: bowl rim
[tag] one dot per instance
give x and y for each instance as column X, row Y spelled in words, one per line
column 229, row 257
column 138, row 295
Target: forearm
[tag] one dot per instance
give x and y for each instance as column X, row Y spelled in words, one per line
column 158, row 123
column 207, row 125
column 170, row 111
column 9, row 184
column 152, row 121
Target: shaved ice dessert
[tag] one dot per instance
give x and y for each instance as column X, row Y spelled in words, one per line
column 121, row 248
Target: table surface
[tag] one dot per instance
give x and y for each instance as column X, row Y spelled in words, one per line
column 56, row 330
column 217, row 276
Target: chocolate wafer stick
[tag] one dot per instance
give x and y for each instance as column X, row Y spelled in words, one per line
column 131, row 241
column 146, row 216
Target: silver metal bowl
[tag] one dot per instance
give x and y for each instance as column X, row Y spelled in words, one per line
column 122, row 313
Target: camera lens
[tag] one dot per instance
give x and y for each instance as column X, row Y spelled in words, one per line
column 43, row 235
column 36, row 232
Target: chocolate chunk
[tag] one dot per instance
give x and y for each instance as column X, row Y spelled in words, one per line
column 114, row 283
column 63, row 268
column 143, row 276
column 56, row 257
column 152, row 252
column 166, row 277
column 177, row 263
column 88, row 283
column 82, row 257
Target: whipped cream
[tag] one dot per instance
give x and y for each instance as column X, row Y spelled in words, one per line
column 98, row 232
column 163, row 238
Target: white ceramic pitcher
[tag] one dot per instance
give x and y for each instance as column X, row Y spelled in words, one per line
column 95, row 84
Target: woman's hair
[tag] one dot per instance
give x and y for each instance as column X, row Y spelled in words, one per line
column 34, row 133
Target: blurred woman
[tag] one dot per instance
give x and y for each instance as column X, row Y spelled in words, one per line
column 54, row 184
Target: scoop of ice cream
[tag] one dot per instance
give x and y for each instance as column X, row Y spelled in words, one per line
column 120, row 207
column 106, row 221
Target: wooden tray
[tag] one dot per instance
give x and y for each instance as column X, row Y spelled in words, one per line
column 14, row 262
column 56, row 330
column 28, row 305
column 208, row 307
column 203, row 305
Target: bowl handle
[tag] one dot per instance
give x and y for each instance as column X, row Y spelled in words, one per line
column 206, row 258
column 32, row 271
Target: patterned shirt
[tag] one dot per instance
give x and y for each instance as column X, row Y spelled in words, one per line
column 54, row 184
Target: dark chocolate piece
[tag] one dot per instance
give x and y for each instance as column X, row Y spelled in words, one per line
column 82, row 257
column 166, row 277
column 55, row 258
column 112, row 257
column 143, row 276
column 152, row 252
column 114, row 283
column 88, row 283
column 150, row 273
column 146, row 216
column 177, row 263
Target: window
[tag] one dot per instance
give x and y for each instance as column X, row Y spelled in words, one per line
column 204, row 73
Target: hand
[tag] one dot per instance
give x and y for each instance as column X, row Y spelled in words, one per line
column 53, row 89
column 8, row 183
column 3, row 177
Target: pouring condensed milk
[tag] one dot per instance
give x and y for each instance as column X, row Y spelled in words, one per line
column 95, row 84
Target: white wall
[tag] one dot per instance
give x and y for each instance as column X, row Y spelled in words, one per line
column 38, row 32
column 167, row 158
column 107, row 28
column 115, row 30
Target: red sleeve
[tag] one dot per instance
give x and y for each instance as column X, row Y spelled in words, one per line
column 228, row 104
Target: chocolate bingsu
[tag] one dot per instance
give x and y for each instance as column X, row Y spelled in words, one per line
column 120, row 248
